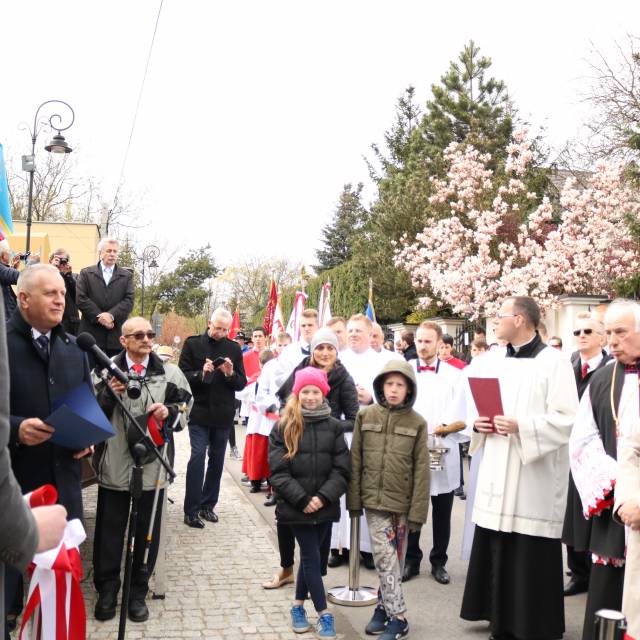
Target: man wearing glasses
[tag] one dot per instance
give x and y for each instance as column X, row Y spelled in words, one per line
column 515, row 569
column 162, row 388
column 590, row 356
column 213, row 366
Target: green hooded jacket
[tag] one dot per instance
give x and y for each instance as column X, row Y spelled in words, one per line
column 389, row 454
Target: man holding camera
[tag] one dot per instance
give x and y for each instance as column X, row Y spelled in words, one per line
column 8, row 276
column 154, row 393
column 71, row 319
column 213, row 366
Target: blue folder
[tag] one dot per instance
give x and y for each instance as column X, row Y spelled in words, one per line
column 78, row 420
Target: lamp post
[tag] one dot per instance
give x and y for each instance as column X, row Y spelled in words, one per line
column 57, row 145
column 149, row 255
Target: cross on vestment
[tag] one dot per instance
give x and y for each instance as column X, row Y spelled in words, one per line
column 491, row 495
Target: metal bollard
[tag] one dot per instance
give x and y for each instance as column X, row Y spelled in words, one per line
column 354, row 595
column 610, row 625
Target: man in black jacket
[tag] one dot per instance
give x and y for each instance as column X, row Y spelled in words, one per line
column 213, row 367
column 105, row 294
column 44, row 364
column 8, row 276
column 61, row 260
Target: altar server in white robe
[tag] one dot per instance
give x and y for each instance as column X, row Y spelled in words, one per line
column 441, row 402
column 293, row 354
column 363, row 364
column 515, row 575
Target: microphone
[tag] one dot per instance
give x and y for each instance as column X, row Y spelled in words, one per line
column 88, row 343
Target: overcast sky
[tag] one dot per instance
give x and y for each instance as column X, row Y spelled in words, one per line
column 256, row 113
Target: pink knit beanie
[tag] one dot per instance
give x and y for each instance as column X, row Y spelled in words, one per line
column 311, row 375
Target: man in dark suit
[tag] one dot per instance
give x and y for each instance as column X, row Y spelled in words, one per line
column 576, row 532
column 104, row 295
column 44, row 364
column 213, row 367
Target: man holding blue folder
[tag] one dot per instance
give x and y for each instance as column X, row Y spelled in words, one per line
column 44, row 365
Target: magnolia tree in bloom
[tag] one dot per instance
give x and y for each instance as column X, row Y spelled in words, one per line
column 491, row 238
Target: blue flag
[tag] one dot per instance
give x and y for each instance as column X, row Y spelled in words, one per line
column 5, row 207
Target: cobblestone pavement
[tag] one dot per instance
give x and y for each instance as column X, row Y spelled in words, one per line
column 214, row 577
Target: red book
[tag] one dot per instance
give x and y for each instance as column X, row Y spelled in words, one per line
column 486, row 394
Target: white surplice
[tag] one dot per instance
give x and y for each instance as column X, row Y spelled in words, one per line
column 523, row 477
column 363, row 368
column 266, row 397
column 440, row 400
column 594, row 472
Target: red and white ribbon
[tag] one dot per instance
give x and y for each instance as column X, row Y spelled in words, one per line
column 55, row 607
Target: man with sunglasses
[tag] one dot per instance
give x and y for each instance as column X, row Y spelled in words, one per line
column 163, row 388
column 590, row 356
column 213, row 366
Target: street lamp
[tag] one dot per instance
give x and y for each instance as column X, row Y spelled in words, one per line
column 149, row 255
column 57, row 145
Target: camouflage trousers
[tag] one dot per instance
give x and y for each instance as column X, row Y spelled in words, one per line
column 388, row 533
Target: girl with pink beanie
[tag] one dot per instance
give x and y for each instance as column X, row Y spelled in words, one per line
column 309, row 462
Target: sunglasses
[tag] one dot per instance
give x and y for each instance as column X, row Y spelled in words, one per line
column 140, row 335
column 587, row 332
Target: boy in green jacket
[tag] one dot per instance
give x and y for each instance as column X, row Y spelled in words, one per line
column 390, row 480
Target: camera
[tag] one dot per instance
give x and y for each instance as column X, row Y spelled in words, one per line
column 63, row 260
column 134, row 386
column 23, row 256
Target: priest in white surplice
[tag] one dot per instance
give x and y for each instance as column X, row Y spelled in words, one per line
column 515, row 576
column 438, row 401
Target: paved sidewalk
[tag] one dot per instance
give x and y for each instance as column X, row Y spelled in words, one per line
column 214, row 577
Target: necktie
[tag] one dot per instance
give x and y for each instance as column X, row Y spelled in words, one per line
column 107, row 276
column 306, row 351
column 426, row 368
column 585, row 368
column 631, row 368
column 137, row 369
column 43, row 344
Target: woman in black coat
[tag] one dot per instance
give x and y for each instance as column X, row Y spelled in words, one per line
column 343, row 402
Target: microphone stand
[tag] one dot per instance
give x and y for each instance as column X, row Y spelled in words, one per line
column 135, row 488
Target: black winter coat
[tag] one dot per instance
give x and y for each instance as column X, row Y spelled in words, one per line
column 35, row 384
column 93, row 297
column 342, row 398
column 320, row 468
column 214, row 400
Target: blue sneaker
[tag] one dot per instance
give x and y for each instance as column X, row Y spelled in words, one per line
column 299, row 622
column 396, row 629
column 326, row 627
column 378, row 621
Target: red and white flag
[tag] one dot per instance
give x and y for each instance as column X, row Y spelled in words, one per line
column 293, row 326
column 55, row 607
column 278, row 324
column 324, row 305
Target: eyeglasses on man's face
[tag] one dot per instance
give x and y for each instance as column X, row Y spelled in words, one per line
column 587, row 332
column 141, row 335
